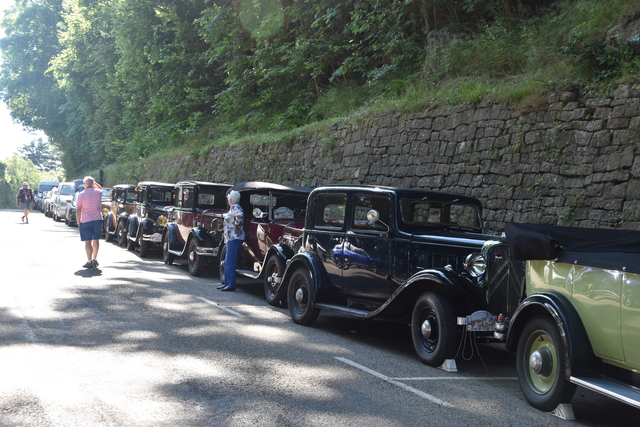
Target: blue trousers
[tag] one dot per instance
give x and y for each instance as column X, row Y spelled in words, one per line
column 230, row 262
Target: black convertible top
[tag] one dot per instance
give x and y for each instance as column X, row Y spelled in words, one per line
column 594, row 247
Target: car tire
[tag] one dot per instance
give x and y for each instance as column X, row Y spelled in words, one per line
column 131, row 242
column 167, row 256
column 274, row 267
column 144, row 248
column 433, row 329
column 107, row 236
column 121, row 233
column 299, row 298
column 195, row 262
column 66, row 222
column 544, row 386
column 222, row 255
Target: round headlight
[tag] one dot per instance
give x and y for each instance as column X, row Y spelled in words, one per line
column 162, row 220
column 475, row 264
column 217, row 224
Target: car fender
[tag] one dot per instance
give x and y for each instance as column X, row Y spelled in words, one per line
column 312, row 264
column 172, row 230
column 275, row 250
column 202, row 236
column 133, row 226
column 578, row 353
column 442, row 281
column 110, row 227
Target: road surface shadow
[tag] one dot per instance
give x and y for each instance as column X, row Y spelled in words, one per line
column 89, row 272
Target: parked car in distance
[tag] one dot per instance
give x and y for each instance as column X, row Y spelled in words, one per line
column 188, row 233
column 70, row 211
column 66, row 190
column 574, row 318
column 48, row 200
column 147, row 223
column 115, row 212
column 274, row 213
column 43, row 188
column 415, row 243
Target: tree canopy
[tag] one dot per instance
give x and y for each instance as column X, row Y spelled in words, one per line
column 111, row 80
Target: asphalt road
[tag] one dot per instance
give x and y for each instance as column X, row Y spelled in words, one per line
column 140, row 343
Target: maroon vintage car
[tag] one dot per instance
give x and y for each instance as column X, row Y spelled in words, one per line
column 189, row 233
column 274, row 213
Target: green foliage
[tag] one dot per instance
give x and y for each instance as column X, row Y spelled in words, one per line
column 41, row 154
column 13, row 172
column 111, row 81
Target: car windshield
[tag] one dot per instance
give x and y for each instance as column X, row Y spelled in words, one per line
column 283, row 205
column 161, row 195
column 67, row 190
column 212, row 198
column 416, row 213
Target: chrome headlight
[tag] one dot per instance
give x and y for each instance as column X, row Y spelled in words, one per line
column 475, row 264
column 162, row 220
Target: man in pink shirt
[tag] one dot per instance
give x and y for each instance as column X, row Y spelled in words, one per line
column 88, row 212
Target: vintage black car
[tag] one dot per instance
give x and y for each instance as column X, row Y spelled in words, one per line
column 188, row 234
column 274, row 213
column 393, row 253
column 115, row 213
column 566, row 300
column 146, row 224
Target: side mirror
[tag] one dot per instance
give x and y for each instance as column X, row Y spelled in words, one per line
column 373, row 216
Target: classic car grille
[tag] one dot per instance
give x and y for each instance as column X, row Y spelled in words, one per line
column 503, row 278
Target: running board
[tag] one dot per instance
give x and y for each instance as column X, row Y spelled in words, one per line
column 613, row 389
column 342, row 309
column 249, row 273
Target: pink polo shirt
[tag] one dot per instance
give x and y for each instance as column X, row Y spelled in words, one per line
column 90, row 200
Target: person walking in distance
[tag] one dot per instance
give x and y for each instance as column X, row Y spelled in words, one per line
column 233, row 237
column 25, row 200
column 89, row 215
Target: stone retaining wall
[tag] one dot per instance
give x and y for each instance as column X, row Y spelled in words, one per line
column 569, row 162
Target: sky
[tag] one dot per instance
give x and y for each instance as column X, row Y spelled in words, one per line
column 12, row 135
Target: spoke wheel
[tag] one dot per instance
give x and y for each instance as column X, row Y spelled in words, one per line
column 299, row 298
column 223, row 254
column 541, row 366
column 144, row 248
column 131, row 242
column 272, row 273
column 121, row 234
column 433, row 329
column 167, row 256
column 107, row 236
column 195, row 261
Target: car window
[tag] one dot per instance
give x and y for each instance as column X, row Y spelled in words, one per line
column 160, row 195
column 130, row 196
column 363, row 204
column 212, row 198
column 331, row 210
column 67, row 190
column 187, row 197
column 421, row 212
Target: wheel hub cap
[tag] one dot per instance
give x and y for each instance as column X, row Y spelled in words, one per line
column 541, row 362
column 300, row 296
column 425, row 329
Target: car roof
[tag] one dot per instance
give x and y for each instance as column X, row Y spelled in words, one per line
column 124, row 186
column 258, row 185
column 402, row 191
column 215, row 184
column 155, row 183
